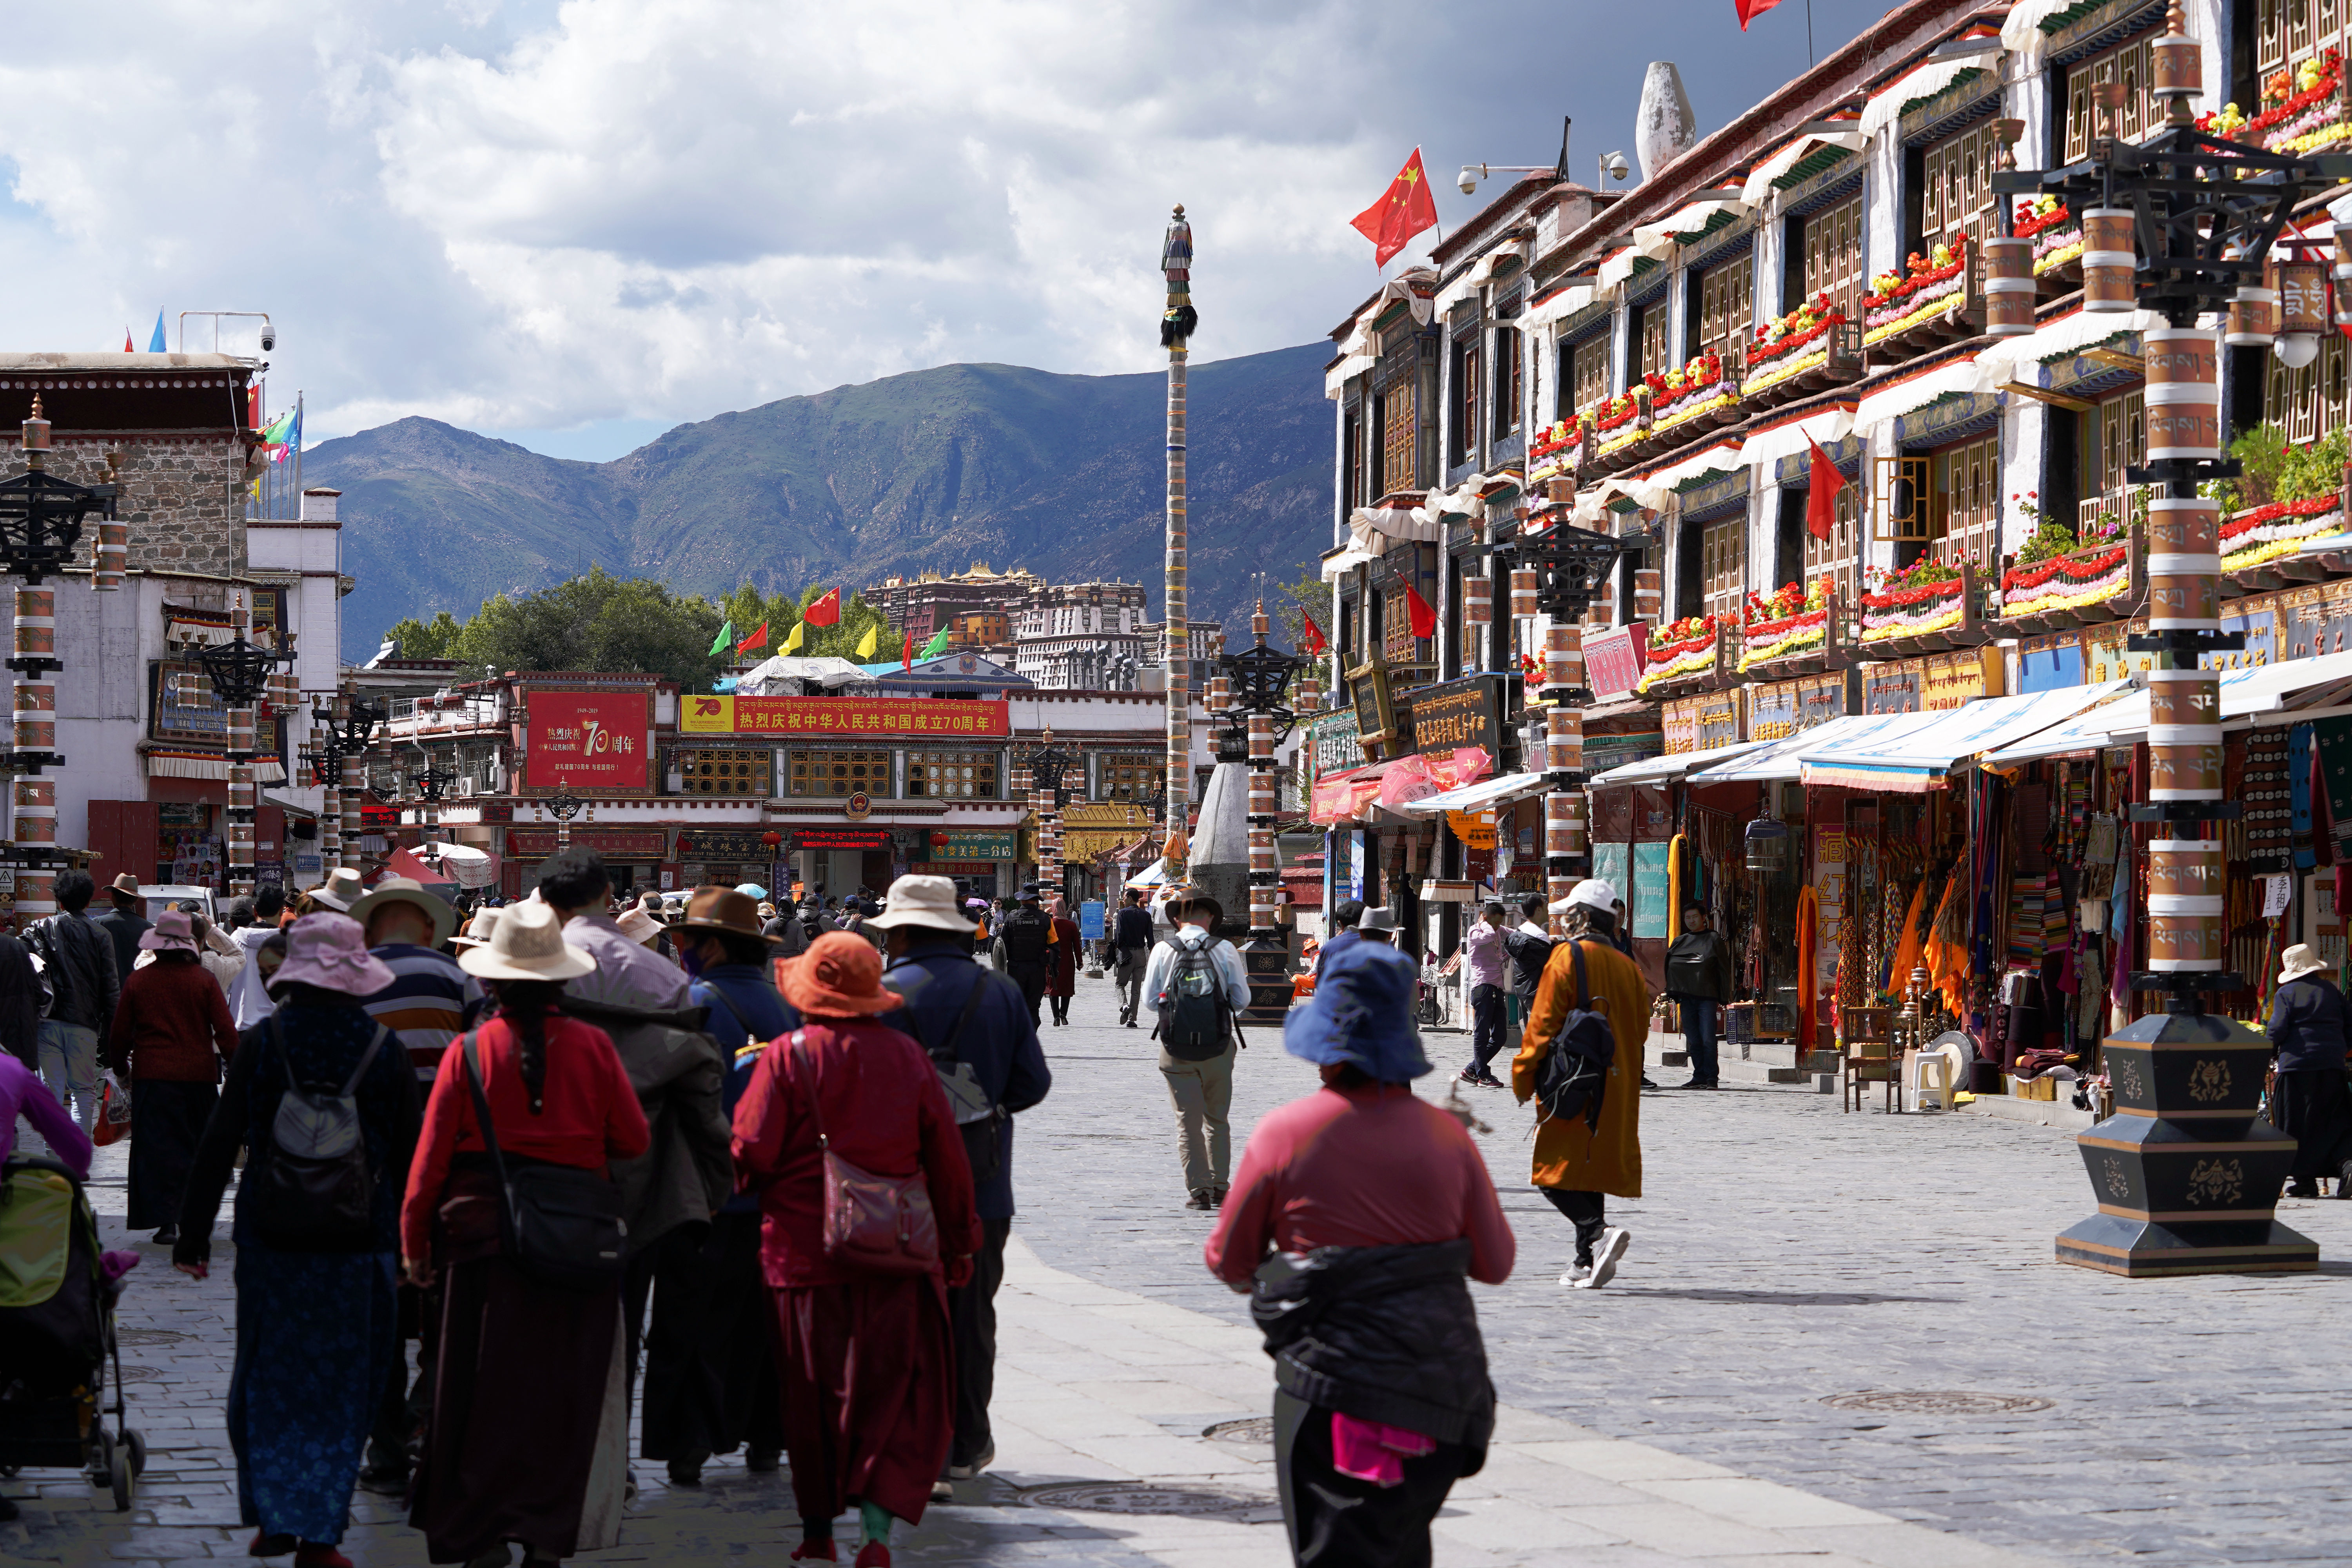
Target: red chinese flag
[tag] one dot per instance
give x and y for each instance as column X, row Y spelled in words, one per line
column 1425, row 619
column 906, row 654
column 824, row 611
column 1751, row 9
column 1822, row 493
column 1313, row 641
column 757, row 639
column 1403, row 212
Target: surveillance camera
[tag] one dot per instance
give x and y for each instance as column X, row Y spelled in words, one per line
column 268, row 339
column 1468, row 182
column 1618, row 167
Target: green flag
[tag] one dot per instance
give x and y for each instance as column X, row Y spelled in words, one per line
column 724, row 640
column 935, row 647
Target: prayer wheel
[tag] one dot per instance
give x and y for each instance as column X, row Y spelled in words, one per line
column 37, row 893
column 1524, row 582
column 1564, row 740
column 109, row 555
column 1563, row 656
column 37, row 812
column 2010, row 287
column 2184, row 392
column 2109, row 258
column 1649, row 594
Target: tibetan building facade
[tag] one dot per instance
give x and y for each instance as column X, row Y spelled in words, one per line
column 1859, row 681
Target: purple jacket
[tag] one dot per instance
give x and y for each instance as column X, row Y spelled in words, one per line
column 21, row 1093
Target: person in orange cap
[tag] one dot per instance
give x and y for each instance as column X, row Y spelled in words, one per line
column 863, row 1355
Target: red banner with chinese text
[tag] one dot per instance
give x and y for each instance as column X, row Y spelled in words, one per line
column 589, row 741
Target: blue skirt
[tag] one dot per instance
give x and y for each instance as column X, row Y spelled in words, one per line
column 317, row 1334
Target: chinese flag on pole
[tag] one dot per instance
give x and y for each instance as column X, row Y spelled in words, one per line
column 1751, row 9
column 1823, row 483
column 906, row 654
column 1403, row 212
column 1313, row 642
column 824, row 611
column 757, row 639
column 1425, row 619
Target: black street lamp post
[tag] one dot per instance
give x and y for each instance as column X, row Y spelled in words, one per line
column 1047, row 763
column 241, row 671
column 41, row 521
column 2183, row 224
column 1255, row 714
column 341, row 727
column 563, row 805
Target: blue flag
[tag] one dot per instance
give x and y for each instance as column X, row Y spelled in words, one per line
column 155, row 344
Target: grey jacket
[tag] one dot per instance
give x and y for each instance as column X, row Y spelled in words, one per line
column 687, row 1171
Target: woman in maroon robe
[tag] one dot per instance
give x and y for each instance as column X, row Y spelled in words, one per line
column 1061, row 962
column 865, row 1359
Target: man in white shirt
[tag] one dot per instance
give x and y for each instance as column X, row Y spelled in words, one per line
column 248, row 1002
column 1196, row 1039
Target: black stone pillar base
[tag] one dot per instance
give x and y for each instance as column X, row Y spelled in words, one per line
column 2186, row 1174
column 1267, row 958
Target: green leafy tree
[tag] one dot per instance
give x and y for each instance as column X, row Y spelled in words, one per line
column 1309, row 596
column 594, row 622
column 426, row 639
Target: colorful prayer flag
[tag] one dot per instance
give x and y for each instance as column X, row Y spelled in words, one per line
column 824, row 610
column 1404, row 211
column 726, row 635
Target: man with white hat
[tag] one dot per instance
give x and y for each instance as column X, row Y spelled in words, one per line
column 978, row 1028
column 1578, row 1160
column 340, row 891
column 2309, row 1100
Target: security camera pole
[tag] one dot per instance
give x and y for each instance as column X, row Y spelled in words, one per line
column 1176, row 324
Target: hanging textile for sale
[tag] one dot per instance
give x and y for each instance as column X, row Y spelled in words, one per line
column 1677, row 860
column 1907, row 948
column 2268, row 820
column 1945, row 950
column 2332, row 739
column 2024, row 919
column 2298, row 773
column 1809, row 994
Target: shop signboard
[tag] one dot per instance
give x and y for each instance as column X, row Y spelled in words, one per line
column 1679, row 725
column 1891, row 687
column 1646, row 904
column 1476, row 830
column 2050, row 662
column 1368, row 690
column 808, row 716
column 1611, row 861
column 614, row 843
column 2258, row 618
column 1614, row 660
column 2107, row 656
column 1779, row 709
column 800, row 838
column 1455, row 713
column 971, row 843
column 1948, row 680
column 706, row 845
column 592, row 740
column 1331, row 745
column 1722, row 718
column 2317, row 620
column 1603, row 753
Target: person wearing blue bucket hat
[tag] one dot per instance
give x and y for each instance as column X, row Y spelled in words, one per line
column 1356, row 1220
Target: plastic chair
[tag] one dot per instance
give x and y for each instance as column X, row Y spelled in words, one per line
column 1945, row 1063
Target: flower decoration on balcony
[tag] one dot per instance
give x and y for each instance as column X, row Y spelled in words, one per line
column 2057, row 235
column 1923, row 289
column 1681, row 649
column 2268, row 533
column 1554, row 449
column 2228, row 121
column 1792, row 344
column 1923, row 597
column 2303, row 108
column 1617, row 422
column 2068, row 581
column 1695, row 392
column 1791, row 619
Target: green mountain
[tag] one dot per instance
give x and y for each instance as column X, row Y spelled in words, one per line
column 930, row 470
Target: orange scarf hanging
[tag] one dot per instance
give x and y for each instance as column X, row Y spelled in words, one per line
column 1947, row 961
column 1906, row 950
column 1808, row 980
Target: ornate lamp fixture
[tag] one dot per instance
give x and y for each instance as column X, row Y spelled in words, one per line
column 242, row 672
column 563, row 805
column 2183, row 224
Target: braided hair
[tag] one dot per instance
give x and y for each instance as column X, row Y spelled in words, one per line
column 525, row 1005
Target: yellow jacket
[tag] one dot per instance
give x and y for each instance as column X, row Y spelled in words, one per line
column 1606, row 1158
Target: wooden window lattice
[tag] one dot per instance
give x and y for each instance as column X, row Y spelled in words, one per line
column 1833, row 251
column 1725, row 310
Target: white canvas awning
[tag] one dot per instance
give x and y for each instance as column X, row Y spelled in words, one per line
column 1559, row 307
column 1915, row 761
column 1830, row 427
column 1336, row 379
column 2071, row 334
column 1484, row 795
column 1759, row 184
column 1673, row 765
column 1777, row 761
column 2262, row 694
column 1886, row 107
column 1657, row 240
column 1976, row 373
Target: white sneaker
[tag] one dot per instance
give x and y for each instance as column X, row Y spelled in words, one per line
column 1605, row 1258
column 1576, row 1276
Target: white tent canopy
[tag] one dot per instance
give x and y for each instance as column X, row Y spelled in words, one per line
column 1779, row 761
column 1673, row 765
column 1484, row 795
column 1915, row 759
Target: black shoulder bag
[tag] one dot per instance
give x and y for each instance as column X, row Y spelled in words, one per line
column 562, row 1225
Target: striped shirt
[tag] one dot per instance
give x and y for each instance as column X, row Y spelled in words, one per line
column 427, row 1003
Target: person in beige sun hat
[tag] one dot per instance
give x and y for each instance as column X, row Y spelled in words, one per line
column 339, row 892
column 2310, row 1100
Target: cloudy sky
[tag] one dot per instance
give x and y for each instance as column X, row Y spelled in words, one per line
column 576, row 225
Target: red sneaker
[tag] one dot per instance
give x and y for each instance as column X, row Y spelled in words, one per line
column 873, row 1554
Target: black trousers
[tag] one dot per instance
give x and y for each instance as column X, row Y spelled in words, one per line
column 1584, row 1210
column 1031, row 978
column 1487, row 1029
column 1061, row 1008
column 1700, row 1017
column 400, row 1416
column 971, row 1318
column 1338, row 1521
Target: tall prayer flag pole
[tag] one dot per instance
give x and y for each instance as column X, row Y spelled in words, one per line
column 1175, row 327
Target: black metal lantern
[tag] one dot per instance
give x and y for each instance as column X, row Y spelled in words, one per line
column 1260, row 678
column 1047, row 763
column 433, row 782
column 1573, row 566
column 41, row 516
column 349, row 723
column 1768, row 845
column 239, row 669
column 563, row 805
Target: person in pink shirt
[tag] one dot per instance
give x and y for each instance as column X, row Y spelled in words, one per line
column 1356, row 1220
column 23, row 1094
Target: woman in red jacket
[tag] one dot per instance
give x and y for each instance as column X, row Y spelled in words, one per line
column 528, row 1440
column 172, row 1035
column 864, row 1352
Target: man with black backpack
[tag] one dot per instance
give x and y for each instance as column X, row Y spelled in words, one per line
column 983, row 1035
column 1196, row 984
column 1025, row 935
column 1580, row 1058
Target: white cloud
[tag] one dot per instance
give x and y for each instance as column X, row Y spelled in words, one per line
column 525, row 216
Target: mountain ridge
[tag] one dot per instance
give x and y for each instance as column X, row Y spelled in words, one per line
column 928, row 469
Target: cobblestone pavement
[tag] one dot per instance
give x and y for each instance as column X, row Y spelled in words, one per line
column 1787, row 1254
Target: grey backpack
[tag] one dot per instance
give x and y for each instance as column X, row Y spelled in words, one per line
column 314, row 1192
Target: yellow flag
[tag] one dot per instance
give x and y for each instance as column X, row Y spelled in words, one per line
column 792, row 641
column 869, row 642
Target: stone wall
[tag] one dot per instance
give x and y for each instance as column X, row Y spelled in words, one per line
column 181, row 495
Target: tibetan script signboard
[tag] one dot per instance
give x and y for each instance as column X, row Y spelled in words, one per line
column 1464, row 712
